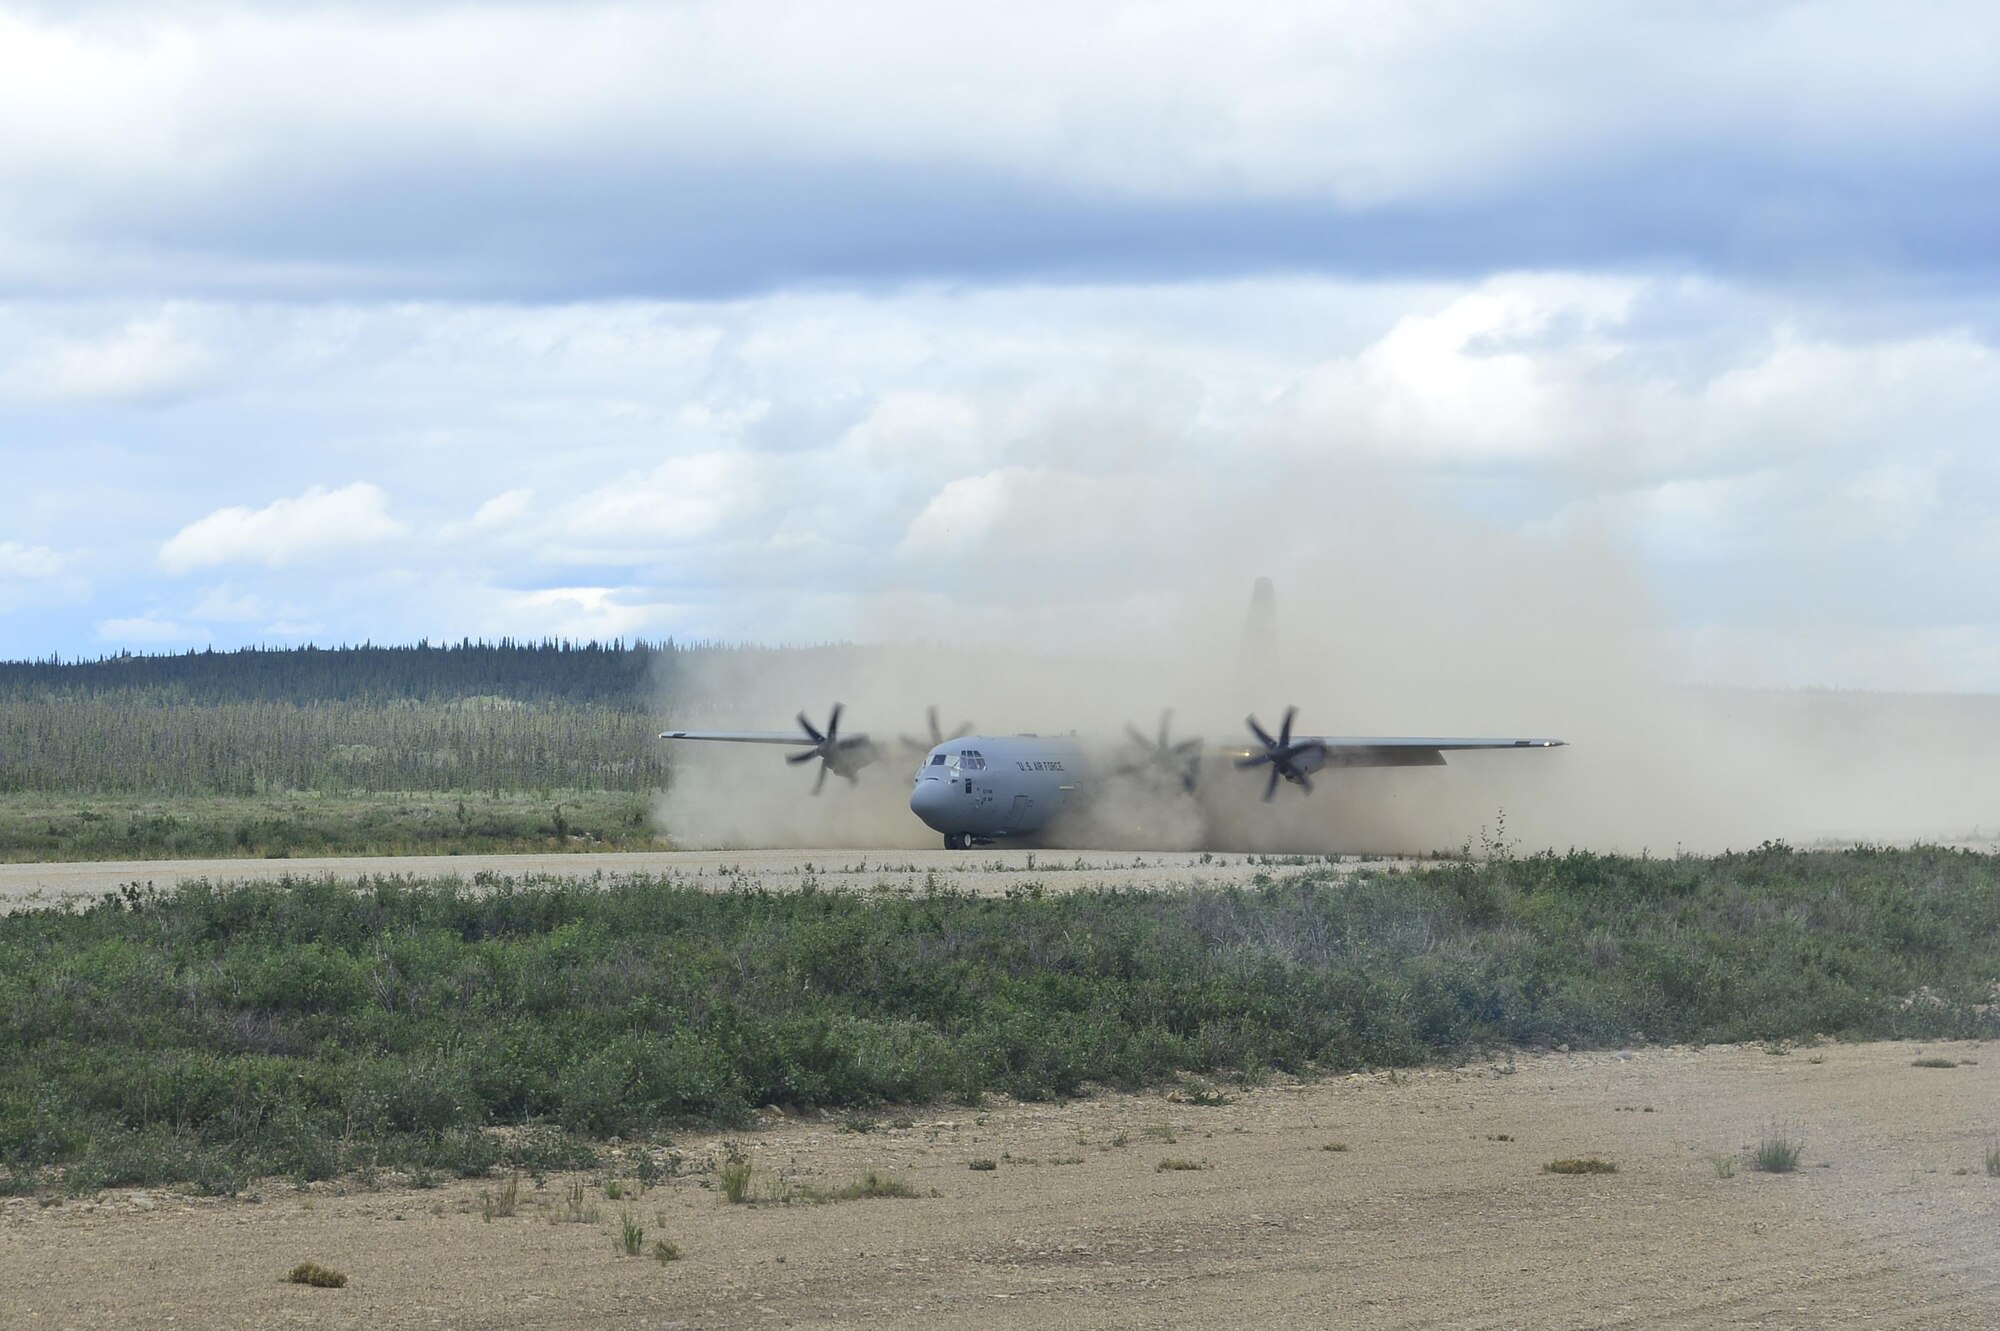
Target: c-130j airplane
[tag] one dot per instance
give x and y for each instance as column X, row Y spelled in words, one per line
column 981, row 789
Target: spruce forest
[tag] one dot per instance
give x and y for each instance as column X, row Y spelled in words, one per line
column 363, row 749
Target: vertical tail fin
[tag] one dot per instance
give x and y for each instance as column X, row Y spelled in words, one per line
column 1260, row 630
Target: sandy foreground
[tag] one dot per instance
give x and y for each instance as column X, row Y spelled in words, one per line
column 984, row 870
column 1438, row 1214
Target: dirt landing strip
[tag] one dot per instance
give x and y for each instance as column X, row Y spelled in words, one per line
column 1438, row 1214
column 991, row 871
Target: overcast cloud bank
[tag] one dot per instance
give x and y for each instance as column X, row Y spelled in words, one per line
column 799, row 322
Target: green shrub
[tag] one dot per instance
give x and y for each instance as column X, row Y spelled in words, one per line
column 868, row 1185
column 303, row 1028
column 319, row 1277
column 1580, row 1165
column 1778, row 1153
column 735, row 1176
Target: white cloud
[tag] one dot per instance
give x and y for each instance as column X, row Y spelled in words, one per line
column 316, row 525
column 1365, row 100
column 220, row 605
column 1504, row 372
column 682, row 500
column 167, row 140
column 150, row 631
column 581, row 613
column 148, row 359
column 807, row 463
column 28, row 561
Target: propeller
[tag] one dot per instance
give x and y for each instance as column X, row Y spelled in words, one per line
column 842, row 756
column 1161, row 757
column 1281, row 754
column 937, row 733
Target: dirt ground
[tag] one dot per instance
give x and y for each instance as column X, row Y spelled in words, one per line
column 985, row 870
column 1438, row 1213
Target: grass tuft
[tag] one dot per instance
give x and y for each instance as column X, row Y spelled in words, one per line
column 1334, row 1146
column 631, row 1235
column 666, row 1250
column 1725, row 1165
column 319, row 1277
column 576, row 1207
column 1174, row 1162
column 869, row 1185
column 1588, row 1164
column 1778, row 1154
column 735, row 1176
column 1933, row 1062
column 501, row 1204
column 982, row 1165
column 1993, row 1162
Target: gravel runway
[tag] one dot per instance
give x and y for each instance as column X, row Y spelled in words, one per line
column 1438, row 1213
column 985, row 870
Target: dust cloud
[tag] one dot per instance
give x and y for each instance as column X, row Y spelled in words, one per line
column 1392, row 618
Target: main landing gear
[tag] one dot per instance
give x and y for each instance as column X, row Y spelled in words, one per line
column 958, row 841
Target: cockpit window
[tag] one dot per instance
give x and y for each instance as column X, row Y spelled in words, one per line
column 971, row 760
column 937, row 760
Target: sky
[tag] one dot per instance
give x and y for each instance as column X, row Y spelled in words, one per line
column 797, row 322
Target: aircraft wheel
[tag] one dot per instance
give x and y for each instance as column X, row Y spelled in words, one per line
column 957, row 840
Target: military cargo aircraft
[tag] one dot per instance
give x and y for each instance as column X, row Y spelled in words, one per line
column 981, row 789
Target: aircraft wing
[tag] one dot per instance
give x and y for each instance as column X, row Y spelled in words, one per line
column 1394, row 750
column 792, row 737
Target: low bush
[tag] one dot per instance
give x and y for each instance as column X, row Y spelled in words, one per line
column 1581, row 1165
column 1778, row 1153
column 304, row 1028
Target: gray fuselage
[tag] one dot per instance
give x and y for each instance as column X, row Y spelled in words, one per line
column 985, row 787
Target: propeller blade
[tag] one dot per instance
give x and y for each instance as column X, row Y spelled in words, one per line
column 819, row 782
column 1188, row 746
column 1271, row 786
column 805, row 757
column 1255, row 760
column 1137, row 738
column 1305, row 782
column 1284, row 731
column 810, row 729
column 1262, row 735
column 833, row 723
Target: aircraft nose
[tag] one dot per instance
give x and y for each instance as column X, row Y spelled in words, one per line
column 931, row 801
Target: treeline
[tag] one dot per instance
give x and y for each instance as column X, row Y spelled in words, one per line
column 616, row 674
column 464, row 717
column 157, row 744
column 613, row 674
